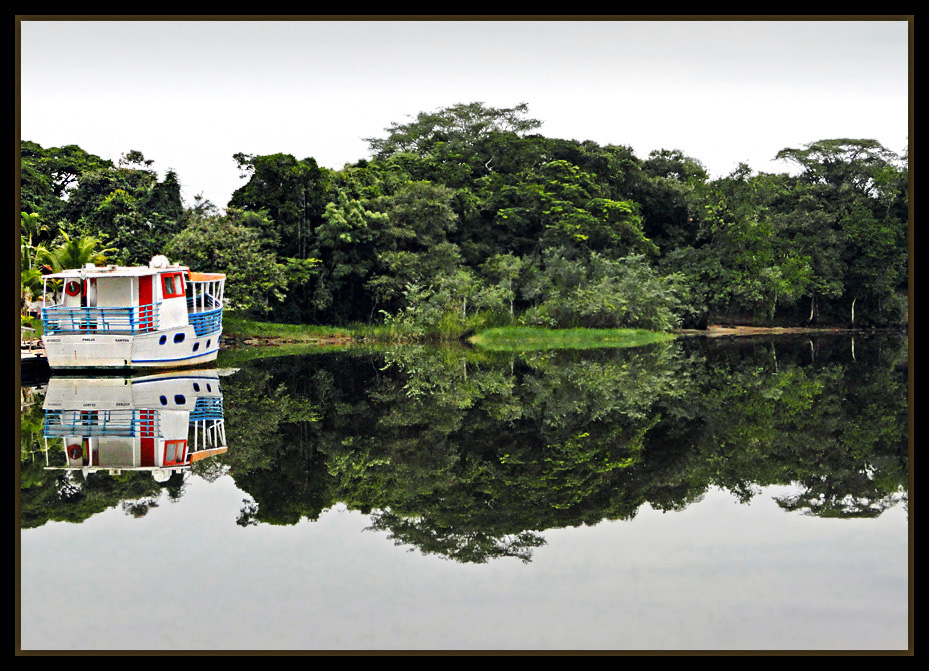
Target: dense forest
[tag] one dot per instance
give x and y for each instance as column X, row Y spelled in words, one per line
column 465, row 217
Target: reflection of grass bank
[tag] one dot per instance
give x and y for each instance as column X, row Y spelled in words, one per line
column 234, row 357
column 522, row 339
column 246, row 340
column 241, row 334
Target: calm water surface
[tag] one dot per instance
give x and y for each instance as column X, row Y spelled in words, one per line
column 739, row 494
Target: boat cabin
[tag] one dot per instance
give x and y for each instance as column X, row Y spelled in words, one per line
column 115, row 316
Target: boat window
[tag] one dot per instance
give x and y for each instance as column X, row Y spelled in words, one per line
column 196, row 346
column 174, row 452
column 196, row 386
column 179, row 337
column 173, row 285
column 179, row 399
column 163, row 399
column 162, row 340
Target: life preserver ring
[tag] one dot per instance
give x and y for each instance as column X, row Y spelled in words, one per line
column 75, row 452
column 73, row 287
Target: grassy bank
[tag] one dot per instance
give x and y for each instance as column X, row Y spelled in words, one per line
column 523, row 339
column 238, row 329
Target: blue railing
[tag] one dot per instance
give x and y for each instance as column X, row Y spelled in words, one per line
column 207, row 407
column 207, row 322
column 122, row 423
column 137, row 319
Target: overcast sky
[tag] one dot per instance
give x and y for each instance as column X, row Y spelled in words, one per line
column 190, row 94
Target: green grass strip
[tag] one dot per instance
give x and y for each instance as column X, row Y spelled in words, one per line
column 521, row 339
column 246, row 328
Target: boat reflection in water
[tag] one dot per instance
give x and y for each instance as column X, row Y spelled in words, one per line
column 160, row 423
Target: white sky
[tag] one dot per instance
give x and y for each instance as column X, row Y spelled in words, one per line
column 190, row 94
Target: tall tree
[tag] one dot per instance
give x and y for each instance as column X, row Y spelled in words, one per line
column 237, row 243
column 667, row 188
column 128, row 205
column 47, row 178
column 859, row 187
column 293, row 193
column 842, row 163
column 461, row 126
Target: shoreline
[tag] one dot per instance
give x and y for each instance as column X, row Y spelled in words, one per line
column 716, row 331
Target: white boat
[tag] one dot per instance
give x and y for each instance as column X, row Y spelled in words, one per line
column 161, row 423
column 117, row 317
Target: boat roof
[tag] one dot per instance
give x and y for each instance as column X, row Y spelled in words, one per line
column 203, row 454
column 114, row 271
column 205, row 277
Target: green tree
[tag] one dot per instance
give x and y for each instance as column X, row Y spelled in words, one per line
column 843, row 163
column 413, row 245
column 560, row 205
column 128, row 205
column 292, row 193
column 667, row 187
column 237, row 244
column 30, row 274
column 73, row 253
column 856, row 190
column 48, row 176
column 505, row 274
column 601, row 292
column 875, row 258
column 455, row 128
column 745, row 260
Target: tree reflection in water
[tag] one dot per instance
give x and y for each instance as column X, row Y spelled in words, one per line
column 471, row 455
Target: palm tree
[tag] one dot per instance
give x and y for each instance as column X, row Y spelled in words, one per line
column 30, row 280
column 73, row 253
column 30, row 225
column 30, row 285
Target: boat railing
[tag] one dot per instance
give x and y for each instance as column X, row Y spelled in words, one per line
column 202, row 302
column 121, row 423
column 207, row 407
column 208, row 434
column 206, row 322
column 133, row 319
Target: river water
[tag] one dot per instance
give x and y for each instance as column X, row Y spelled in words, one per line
column 703, row 494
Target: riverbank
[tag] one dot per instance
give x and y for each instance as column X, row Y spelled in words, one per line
column 716, row 331
column 523, row 338
column 239, row 332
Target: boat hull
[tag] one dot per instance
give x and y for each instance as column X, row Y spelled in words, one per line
column 170, row 348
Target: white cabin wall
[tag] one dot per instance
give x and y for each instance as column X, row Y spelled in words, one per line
column 173, row 312
column 70, row 301
column 174, row 425
column 118, row 452
column 115, row 292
